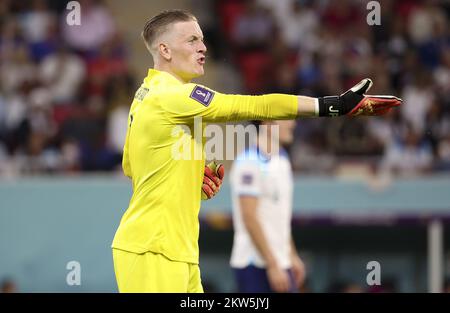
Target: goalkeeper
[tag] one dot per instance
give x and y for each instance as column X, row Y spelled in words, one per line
column 155, row 248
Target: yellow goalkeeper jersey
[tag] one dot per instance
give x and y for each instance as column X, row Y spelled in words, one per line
column 162, row 215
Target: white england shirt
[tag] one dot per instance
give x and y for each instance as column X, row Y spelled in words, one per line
column 271, row 180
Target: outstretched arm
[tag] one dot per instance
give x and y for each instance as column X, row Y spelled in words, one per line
column 188, row 101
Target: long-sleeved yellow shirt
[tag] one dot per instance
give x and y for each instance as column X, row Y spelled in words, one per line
column 162, row 215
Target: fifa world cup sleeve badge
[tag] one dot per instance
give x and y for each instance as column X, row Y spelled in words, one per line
column 202, row 95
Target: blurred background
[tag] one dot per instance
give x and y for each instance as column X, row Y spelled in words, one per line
column 366, row 189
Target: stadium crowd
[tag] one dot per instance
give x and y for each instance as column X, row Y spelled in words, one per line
column 66, row 91
column 323, row 47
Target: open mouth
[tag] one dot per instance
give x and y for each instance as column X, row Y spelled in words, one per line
column 201, row 60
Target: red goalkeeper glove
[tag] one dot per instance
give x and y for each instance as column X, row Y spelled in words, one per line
column 212, row 180
column 355, row 102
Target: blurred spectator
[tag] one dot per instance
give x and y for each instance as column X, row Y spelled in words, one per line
column 418, row 98
column 70, row 161
column 299, row 25
column 441, row 73
column 4, row 159
column 39, row 26
column 437, row 125
column 16, row 109
column 120, row 90
column 341, row 15
column 309, row 74
column 254, row 28
column 386, row 129
column 62, row 74
column 103, row 67
column 279, row 9
column 254, row 37
column 4, row 9
column 429, row 32
column 39, row 112
column 443, row 154
column 424, row 20
column 37, row 155
column 97, row 27
column 410, row 155
column 17, row 69
column 10, row 37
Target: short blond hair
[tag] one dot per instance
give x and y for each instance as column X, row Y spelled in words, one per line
column 158, row 24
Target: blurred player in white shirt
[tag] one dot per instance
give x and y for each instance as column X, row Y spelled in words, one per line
column 264, row 257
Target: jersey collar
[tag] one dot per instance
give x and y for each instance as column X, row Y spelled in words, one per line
column 162, row 75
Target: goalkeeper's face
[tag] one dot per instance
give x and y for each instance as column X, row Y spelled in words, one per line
column 187, row 50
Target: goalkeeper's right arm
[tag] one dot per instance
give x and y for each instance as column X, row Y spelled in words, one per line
column 183, row 103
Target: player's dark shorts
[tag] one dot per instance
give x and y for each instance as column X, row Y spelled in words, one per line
column 254, row 279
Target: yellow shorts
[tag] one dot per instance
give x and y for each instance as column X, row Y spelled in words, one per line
column 153, row 272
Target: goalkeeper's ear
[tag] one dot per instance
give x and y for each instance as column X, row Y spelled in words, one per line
column 362, row 87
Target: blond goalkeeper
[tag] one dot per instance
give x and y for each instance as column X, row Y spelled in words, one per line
column 155, row 248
